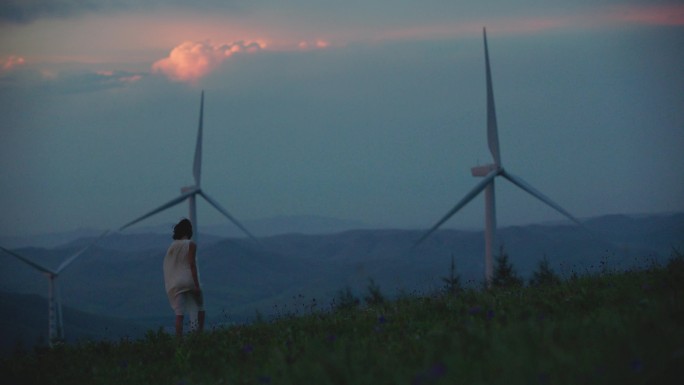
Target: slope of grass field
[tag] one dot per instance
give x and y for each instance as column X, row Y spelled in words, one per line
column 621, row 328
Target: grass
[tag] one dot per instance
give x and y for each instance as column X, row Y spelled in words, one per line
column 624, row 328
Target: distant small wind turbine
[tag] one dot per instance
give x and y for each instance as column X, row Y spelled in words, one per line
column 55, row 320
column 490, row 172
column 190, row 192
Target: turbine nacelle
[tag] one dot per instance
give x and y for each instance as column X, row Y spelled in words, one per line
column 483, row 171
column 187, row 190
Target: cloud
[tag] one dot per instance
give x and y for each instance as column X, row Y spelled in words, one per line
column 190, row 61
column 67, row 81
column 317, row 44
column 655, row 15
column 114, row 77
column 11, row 63
column 90, row 81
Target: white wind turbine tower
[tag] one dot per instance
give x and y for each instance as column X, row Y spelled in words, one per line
column 490, row 172
column 190, row 192
column 55, row 320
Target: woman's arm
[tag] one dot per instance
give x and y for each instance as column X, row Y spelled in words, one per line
column 192, row 257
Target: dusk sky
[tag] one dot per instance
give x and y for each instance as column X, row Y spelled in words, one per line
column 369, row 110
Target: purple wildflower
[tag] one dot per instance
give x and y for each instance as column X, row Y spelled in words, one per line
column 543, row 378
column 431, row 375
column 475, row 310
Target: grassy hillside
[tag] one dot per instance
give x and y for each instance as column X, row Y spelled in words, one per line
column 621, row 328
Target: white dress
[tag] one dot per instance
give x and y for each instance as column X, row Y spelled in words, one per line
column 177, row 273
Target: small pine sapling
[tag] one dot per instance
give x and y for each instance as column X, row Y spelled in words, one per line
column 452, row 283
column 544, row 275
column 504, row 274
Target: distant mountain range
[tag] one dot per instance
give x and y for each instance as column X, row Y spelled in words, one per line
column 120, row 279
column 265, row 227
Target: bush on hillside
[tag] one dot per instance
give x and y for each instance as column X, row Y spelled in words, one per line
column 374, row 296
column 346, row 300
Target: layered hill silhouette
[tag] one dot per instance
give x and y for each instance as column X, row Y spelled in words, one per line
column 120, row 279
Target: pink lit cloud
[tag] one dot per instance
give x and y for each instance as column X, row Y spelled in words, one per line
column 120, row 77
column 653, row 15
column 595, row 17
column 12, row 62
column 190, row 61
column 317, row 44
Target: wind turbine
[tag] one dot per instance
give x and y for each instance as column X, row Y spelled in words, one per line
column 490, row 172
column 190, row 192
column 55, row 320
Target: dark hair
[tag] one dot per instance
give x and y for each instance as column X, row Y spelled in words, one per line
column 182, row 229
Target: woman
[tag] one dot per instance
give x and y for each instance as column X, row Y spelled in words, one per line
column 181, row 278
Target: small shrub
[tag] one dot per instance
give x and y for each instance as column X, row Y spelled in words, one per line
column 675, row 266
column 346, row 299
column 374, row 296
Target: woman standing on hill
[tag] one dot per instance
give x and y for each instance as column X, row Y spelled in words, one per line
column 181, row 278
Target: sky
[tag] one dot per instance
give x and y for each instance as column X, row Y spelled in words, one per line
column 369, row 110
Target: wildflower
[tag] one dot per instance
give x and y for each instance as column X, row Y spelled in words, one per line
column 490, row 314
column 637, row 365
column 432, row 375
column 382, row 319
column 543, row 378
column 475, row 310
column 264, row 379
column 247, row 348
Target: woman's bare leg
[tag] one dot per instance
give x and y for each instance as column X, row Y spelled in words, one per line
column 179, row 326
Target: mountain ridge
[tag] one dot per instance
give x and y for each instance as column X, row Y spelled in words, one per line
column 285, row 273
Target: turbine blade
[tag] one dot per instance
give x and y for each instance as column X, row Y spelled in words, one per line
column 163, row 207
column 466, row 199
column 537, row 194
column 227, row 215
column 492, row 130
column 29, row 262
column 197, row 165
column 71, row 259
